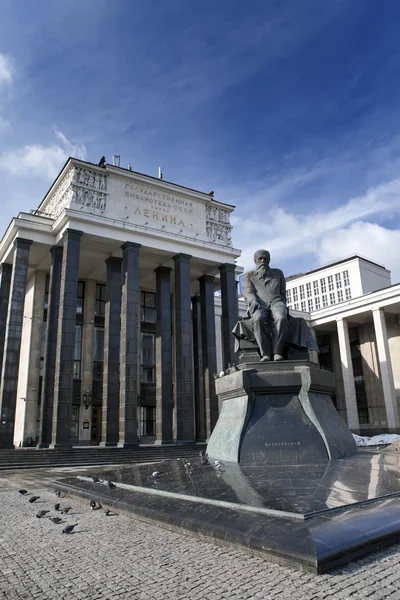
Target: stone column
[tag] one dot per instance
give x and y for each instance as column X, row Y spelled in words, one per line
column 348, row 376
column 128, row 434
column 64, row 372
column 85, row 414
column 230, row 313
column 184, row 392
column 6, row 271
column 50, row 349
column 386, row 372
column 164, row 399
column 111, row 373
column 200, row 409
column 26, row 414
column 12, row 342
column 209, row 350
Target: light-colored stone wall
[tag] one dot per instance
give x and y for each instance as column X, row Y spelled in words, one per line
column 373, row 385
column 26, row 421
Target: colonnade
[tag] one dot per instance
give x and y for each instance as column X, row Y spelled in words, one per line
column 186, row 404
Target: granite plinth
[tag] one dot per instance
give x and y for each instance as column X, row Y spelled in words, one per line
column 313, row 517
column 279, row 413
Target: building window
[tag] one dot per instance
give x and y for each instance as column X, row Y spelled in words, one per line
column 330, row 283
column 317, row 303
column 303, row 305
column 338, row 278
column 346, row 278
column 295, row 295
column 148, row 307
column 301, row 288
column 147, row 357
column 80, row 297
column 316, row 288
column 340, row 295
column 78, row 352
column 308, row 288
column 147, row 420
column 324, row 300
column 98, row 364
column 296, row 306
column 332, row 298
column 347, row 293
column 310, row 305
column 288, row 296
column 42, row 346
column 100, row 299
column 323, row 285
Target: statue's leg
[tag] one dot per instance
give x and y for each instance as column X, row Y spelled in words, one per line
column 279, row 328
column 261, row 332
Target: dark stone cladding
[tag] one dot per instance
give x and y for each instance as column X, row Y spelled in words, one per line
column 200, row 410
column 129, row 357
column 49, row 367
column 209, row 350
column 184, row 399
column 164, row 420
column 12, row 341
column 230, row 313
column 6, row 270
column 110, row 412
column 64, row 369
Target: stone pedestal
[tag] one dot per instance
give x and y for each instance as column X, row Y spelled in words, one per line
column 279, row 413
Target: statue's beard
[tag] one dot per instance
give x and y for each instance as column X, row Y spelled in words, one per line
column 263, row 271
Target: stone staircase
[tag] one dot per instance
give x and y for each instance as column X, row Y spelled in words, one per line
column 31, row 458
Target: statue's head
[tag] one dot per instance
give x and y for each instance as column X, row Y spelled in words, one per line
column 262, row 257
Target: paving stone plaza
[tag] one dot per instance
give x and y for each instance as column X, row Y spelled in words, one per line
column 121, row 556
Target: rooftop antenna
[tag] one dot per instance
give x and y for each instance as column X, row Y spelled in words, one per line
column 116, row 159
column 129, row 167
column 160, row 173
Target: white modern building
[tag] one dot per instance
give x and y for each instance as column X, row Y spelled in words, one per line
column 355, row 314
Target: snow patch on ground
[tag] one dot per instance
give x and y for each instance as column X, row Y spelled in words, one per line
column 376, row 440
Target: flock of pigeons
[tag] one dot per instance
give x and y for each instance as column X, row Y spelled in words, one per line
column 65, row 510
column 97, row 505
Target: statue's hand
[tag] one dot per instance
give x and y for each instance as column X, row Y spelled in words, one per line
column 253, row 306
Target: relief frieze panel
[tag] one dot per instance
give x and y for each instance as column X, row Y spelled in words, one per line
column 218, row 225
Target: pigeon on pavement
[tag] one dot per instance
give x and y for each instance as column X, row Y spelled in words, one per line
column 69, row 528
column 42, row 513
column 57, row 506
column 23, row 492
column 111, row 485
column 65, row 510
column 56, row 519
column 33, row 499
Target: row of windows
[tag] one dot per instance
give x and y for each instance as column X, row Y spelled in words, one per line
column 325, row 292
column 147, row 363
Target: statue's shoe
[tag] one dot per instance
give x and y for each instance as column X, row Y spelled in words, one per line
column 266, row 358
column 278, row 357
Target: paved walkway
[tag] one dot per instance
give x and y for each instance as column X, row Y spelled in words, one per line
column 122, row 557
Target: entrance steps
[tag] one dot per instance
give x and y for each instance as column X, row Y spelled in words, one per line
column 32, row 458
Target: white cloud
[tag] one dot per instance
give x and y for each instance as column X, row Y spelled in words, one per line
column 42, row 161
column 369, row 240
column 289, row 235
column 6, row 69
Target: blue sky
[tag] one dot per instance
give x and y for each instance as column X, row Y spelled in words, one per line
column 289, row 110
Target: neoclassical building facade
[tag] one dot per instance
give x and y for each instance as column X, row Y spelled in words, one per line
column 107, row 316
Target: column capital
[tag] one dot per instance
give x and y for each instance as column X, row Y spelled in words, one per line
column 5, row 267
column 56, row 250
column 163, row 271
column 22, row 243
column 71, row 234
column 207, row 278
column 184, row 258
column 130, row 246
column 113, row 261
column 227, row 268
